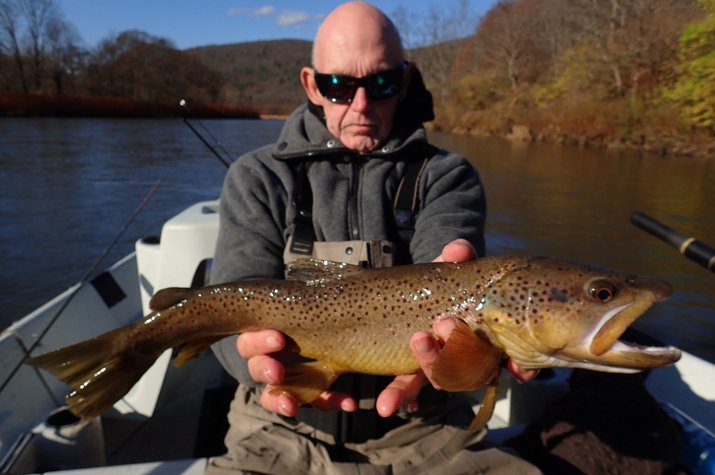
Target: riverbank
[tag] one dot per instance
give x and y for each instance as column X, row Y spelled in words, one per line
column 607, row 125
column 697, row 146
column 542, row 128
column 15, row 104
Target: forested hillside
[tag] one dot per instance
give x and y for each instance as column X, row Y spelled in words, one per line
column 262, row 74
column 616, row 73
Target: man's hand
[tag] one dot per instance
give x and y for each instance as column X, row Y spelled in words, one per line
column 405, row 388
column 263, row 351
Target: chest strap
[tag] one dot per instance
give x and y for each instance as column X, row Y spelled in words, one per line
column 303, row 234
column 404, row 208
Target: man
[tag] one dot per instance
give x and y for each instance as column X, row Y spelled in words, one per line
column 334, row 187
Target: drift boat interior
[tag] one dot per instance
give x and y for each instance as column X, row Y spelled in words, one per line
column 175, row 418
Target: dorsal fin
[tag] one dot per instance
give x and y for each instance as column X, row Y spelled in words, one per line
column 169, row 297
column 320, row 271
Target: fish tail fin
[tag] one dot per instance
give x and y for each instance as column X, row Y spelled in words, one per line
column 97, row 375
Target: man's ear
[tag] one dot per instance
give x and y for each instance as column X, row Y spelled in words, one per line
column 311, row 88
column 407, row 79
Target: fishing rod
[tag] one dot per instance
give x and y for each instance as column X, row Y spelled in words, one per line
column 687, row 246
column 185, row 105
column 82, row 281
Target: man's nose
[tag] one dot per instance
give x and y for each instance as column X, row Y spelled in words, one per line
column 361, row 100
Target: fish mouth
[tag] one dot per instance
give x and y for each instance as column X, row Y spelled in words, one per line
column 607, row 352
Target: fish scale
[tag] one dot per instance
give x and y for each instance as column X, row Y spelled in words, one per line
column 539, row 312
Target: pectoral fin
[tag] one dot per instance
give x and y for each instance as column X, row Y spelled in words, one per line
column 306, row 381
column 467, row 361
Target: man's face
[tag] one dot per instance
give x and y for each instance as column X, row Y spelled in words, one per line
column 363, row 124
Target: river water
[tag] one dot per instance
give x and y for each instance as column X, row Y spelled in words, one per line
column 68, row 185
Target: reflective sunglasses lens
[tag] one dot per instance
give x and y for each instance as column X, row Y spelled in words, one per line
column 385, row 84
column 342, row 89
column 335, row 88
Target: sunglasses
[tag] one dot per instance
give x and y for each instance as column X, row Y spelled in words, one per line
column 342, row 89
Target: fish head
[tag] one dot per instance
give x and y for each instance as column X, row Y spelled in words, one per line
column 557, row 313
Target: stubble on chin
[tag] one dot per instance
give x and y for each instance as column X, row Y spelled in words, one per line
column 360, row 138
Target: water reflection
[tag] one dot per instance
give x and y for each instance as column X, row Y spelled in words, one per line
column 69, row 184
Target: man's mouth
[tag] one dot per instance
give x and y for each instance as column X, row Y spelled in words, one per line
column 353, row 127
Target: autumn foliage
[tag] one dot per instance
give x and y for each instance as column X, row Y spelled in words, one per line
column 636, row 73
column 615, row 73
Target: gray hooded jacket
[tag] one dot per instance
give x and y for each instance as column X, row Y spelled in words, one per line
column 352, row 200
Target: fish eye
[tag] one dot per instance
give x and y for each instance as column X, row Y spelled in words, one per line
column 602, row 290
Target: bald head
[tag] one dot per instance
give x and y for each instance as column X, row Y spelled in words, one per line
column 352, row 30
column 356, row 40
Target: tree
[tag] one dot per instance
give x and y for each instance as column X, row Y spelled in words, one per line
column 138, row 66
column 694, row 90
column 503, row 38
column 66, row 58
column 10, row 39
column 38, row 14
column 32, row 33
column 627, row 37
column 434, row 39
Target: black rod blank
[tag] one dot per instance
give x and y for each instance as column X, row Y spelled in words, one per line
column 687, row 246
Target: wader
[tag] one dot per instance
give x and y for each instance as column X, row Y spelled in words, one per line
column 433, row 439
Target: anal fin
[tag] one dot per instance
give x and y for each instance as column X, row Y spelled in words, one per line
column 192, row 349
column 467, row 361
column 306, row 381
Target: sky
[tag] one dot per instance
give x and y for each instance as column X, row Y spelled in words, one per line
column 190, row 23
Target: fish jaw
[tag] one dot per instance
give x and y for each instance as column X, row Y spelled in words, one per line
column 573, row 316
column 602, row 350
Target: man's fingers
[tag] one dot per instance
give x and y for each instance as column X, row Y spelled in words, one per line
column 262, row 342
column 402, row 390
column 279, row 403
column 333, row 401
column 265, row 369
column 443, row 327
column 520, row 374
column 459, row 250
column 284, row 404
column 425, row 348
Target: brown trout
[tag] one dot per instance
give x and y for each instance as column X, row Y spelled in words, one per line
column 540, row 312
